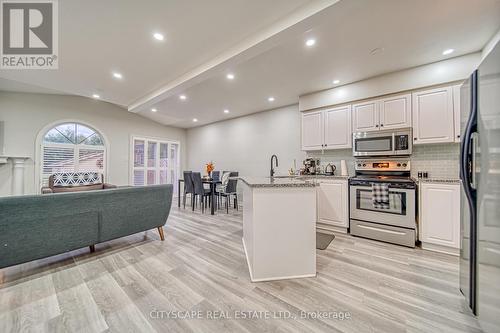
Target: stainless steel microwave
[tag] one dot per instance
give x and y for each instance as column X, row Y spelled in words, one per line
column 382, row 143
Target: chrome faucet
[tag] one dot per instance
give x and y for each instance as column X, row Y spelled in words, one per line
column 271, row 172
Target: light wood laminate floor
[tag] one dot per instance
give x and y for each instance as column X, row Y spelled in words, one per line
column 130, row 283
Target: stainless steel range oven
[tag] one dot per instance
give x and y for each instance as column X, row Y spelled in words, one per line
column 394, row 222
column 382, row 143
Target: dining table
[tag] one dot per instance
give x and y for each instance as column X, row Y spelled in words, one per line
column 211, row 182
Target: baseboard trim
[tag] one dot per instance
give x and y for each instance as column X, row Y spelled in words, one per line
column 323, row 227
column 440, row 248
column 274, row 278
column 246, row 257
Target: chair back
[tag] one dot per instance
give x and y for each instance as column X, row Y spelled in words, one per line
column 224, row 179
column 232, row 183
column 188, row 182
column 216, row 176
column 197, row 183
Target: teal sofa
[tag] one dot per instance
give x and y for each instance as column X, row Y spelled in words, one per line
column 39, row 226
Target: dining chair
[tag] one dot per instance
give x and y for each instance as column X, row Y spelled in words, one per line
column 220, row 188
column 199, row 190
column 230, row 189
column 216, row 176
column 188, row 187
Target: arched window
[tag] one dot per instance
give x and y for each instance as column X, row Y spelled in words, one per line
column 72, row 147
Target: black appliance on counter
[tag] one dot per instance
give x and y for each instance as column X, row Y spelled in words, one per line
column 311, row 166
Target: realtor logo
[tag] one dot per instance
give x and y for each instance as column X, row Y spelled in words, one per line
column 29, row 34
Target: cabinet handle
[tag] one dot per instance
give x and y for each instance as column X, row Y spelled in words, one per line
column 381, row 125
column 415, row 139
column 458, row 136
column 376, row 125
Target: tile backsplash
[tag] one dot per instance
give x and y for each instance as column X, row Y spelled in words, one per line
column 439, row 160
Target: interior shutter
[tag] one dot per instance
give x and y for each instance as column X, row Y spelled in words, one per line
column 91, row 160
column 57, row 159
column 139, row 157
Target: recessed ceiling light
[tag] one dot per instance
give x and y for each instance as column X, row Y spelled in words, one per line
column 96, row 96
column 230, row 76
column 336, row 81
column 183, row 97
column 226, row 111
column 271, row 99
column 448, row 51
column 158, row 36
column 117, row 75
column 154, row 110
column 195, row 120
column 310, row 42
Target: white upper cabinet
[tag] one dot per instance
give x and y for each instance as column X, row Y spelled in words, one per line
column 327, row 129
column 312, row 130
column 365, row 116
column 386, row 113
column 456, row 111
column 395, row 112
column 434, row 115
column 338, row 132
column 433, row 120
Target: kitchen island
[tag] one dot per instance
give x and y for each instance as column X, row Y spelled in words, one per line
column 279, row 227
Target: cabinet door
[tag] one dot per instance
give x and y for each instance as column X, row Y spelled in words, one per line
column 433, row 116
column 332, row 203
column 338, row 132
column 365, row 117
column 395, row 112
column 456, row 112
column 440, row 214
column 312, row 130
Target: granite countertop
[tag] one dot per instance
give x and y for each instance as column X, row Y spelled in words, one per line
column 439, row 180
column 322, row 176
column 278, row 182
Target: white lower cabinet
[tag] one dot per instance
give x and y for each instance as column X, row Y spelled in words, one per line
column 439, row 222
column 332, row 201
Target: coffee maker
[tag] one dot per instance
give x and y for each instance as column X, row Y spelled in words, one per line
column 311, row 166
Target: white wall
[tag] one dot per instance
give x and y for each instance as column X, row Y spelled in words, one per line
column 25, row 115
column 454, row 69
column 246, row 144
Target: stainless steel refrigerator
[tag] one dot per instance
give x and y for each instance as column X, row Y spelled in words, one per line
column 480, row 199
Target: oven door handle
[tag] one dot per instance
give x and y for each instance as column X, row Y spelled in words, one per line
column 392, row 189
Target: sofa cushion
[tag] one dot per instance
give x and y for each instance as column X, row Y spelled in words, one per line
column 61, row 189
column 65, row 179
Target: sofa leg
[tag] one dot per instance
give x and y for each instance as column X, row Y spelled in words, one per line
column 92, row 248
column 160, row 231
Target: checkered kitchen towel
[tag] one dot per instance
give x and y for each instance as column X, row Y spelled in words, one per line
column 380, row 195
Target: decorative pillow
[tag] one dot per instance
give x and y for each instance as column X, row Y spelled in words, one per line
column 77, row 179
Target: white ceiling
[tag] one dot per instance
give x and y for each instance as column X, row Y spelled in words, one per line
column 98, row 37
column 189, row 61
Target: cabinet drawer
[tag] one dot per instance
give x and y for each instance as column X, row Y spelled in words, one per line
column 384, row 233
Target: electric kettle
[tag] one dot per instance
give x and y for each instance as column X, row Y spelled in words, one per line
column 330, row 169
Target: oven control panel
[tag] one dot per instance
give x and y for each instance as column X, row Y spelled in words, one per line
column 382, row 165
